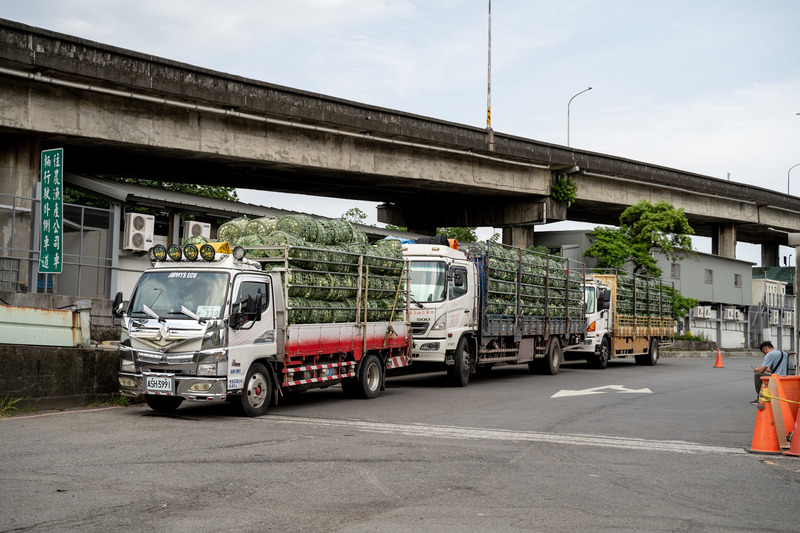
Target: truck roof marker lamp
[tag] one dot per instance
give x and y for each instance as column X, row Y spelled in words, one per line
column 157, row 253
column 210, row 250
column 174, row 252
column 238, row 253
column 190, row 252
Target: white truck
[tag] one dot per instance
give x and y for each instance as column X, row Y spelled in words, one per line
column 626, row 315
column 211, row 325
column 488, row 304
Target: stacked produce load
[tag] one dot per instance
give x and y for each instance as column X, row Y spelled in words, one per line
column 319, row 263
column 643, row 297
column 548, row 285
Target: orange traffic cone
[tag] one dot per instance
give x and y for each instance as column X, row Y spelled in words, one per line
column 765, row 436
column 718, row 364
column 795, row 447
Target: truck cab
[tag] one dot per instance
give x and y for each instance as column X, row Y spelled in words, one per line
column 596, row 345
column 444, row 292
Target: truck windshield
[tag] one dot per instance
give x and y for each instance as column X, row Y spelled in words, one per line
column 202, row 293
column 428, row 280
column 588, row 297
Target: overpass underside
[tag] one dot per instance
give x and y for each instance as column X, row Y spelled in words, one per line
column 120, row 113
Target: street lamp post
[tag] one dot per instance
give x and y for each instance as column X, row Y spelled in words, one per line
column 788, row 174
column 568, row 104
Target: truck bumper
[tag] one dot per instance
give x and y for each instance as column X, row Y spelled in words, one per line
column 187, row 387
column 587, row 347
column 429, row 350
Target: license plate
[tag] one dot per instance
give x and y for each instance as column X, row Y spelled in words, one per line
column 158, row 383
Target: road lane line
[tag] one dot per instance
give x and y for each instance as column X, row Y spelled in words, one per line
column 468, row 433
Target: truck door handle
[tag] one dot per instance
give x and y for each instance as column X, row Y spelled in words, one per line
column 466, row 310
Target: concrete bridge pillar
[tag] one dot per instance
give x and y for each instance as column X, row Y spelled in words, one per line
column 519, row 236
column 19, row 165
column 723, row 240
column 770, row 254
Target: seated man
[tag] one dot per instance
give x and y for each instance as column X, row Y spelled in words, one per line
column 775, row 362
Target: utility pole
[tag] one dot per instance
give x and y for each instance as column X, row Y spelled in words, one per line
column 489, row 130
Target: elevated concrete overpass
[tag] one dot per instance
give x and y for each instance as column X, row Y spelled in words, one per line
column 119, row 112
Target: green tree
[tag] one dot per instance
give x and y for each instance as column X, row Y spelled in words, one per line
column 644, row 228
column 682, row 304
column 460, row 234
column 355, row 215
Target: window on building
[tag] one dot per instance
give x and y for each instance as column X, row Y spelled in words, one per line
column 737, row 280
column 709, row 276
column 676, row 271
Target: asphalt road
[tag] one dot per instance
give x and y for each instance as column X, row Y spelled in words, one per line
column 653, row 449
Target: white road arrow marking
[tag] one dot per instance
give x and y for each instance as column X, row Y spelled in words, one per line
column 620, row 389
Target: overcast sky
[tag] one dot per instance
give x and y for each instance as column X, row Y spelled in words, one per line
column 706, row 86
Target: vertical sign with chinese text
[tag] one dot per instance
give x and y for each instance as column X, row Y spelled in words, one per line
column 50, row 244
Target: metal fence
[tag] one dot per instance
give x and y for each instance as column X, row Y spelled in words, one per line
column 87, row 259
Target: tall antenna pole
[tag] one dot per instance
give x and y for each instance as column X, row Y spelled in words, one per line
column 489, row 87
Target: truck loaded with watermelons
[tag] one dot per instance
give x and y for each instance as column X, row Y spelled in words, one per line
column 294, row 303
column 476, row 305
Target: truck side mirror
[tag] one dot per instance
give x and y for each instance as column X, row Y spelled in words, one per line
column 605, row 299
column 116, row 309
column 253, row 308
column 459, row 278
column 246, row 310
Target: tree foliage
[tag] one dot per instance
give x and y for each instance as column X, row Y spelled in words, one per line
column 355, row 215
column 644, row 228
column 461, row 234
column 458, row 233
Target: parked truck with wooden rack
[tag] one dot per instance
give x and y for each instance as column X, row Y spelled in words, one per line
column 626, row 315
column 207, row 324
column 487, row 304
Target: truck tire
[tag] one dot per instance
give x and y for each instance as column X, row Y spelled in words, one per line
column 551, row 363
column 163, row 404
column 651, row 357
column 370, row 377
column 458, row 372
column 600, row 360
column 256, row 392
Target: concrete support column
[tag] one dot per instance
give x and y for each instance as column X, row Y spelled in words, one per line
column 770, row 254
column 519, row 236
column 19, row 165
column 723, row 240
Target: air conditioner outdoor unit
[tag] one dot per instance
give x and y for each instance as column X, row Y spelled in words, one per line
column 788, row 318
column 699, row 312
column 739, row 315
column 192, row 228
column 707, row 312
column 730, row 314
column 774, row 317
column 138, row 234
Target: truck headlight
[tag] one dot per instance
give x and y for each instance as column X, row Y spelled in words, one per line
column 429, row 347
column 440, row 324
column 128, row 383
column 127, row 365
column 207, row 369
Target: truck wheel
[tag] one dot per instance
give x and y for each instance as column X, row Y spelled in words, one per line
column 370, row 377
column 600, row 360
column 257, row 391
column 458, row 372
column 651, row 357
column 163, row 404
column 551, row 363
